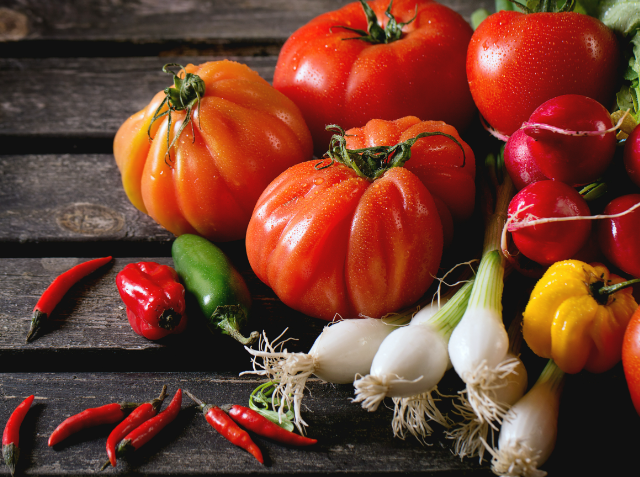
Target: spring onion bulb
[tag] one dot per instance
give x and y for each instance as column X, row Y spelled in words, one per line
column 343, row 350
column 412, row 359
column 471, row 435
column 529, row 431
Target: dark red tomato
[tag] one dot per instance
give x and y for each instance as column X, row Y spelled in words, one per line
column 631, row 358
column 550, row 242
column 330, row 242
column 632, row 156
column 518, row 61
column 335, row 79
column 619, row 238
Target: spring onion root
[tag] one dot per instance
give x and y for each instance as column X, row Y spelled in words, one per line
column 342, row 351
column 410, row 363
column 528, row 434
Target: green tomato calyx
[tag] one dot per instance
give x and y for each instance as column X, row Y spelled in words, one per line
column 375, row 33
column 187, row 91
column 372, row 162
column 545, row 6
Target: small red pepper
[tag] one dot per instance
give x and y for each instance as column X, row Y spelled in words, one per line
column 58, row 288
column 154, row 298
column 255, row 422
column 107, row 414
column 11, row 434
column 142, row 413
column 149, row 428
column 222, row 423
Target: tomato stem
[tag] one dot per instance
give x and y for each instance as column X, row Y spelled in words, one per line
column 182, row 96
column 375, row 33
column 372, row 162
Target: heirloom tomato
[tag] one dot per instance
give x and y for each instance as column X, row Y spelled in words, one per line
column 332, row 241
column 443, row 167
column 518, row 61
column 361, row 62
column 240, row 134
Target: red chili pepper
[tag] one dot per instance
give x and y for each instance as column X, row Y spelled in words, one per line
column 142, row 413
column 222, row 423
column 148, row 429
column 107, row 414
column 154, row 298
column 58, row 288
column 11, row 434
column 255, row 422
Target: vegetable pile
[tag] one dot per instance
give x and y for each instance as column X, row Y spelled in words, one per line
column 366, row 234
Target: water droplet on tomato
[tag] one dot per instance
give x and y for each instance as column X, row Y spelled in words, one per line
column 318, row 181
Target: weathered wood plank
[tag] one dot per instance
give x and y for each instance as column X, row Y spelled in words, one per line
column 73, row 198
column 83, row 99
column 111, row 28
column 593, row 435
column 350, row 439
column 90, row 331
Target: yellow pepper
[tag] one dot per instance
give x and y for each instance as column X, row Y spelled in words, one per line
column 577, row 315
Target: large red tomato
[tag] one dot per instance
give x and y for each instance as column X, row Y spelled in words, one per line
column 518, row 61
column 328, row 241
column 242, row 134
column 337, row 79
column 631, row 358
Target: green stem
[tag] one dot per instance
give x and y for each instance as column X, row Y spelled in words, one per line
column 448, row 317
column 375, row 33
column 488, row 293
column 601, row 292
column 552, row 376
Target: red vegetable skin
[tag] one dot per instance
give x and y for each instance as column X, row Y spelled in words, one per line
column 58, row 288
column 255, row 422
column 221, row 422
column 631, row 358
column 619, row 238
column 574, row 160
column 518, row 161
column 313, row 231
column 11, row 434
column 550, row 242
column 107, row 414
column 421, row 74
column 151, row 427
column 516, row 62
column 631, row 156
column 154, row 297
column 137, row 417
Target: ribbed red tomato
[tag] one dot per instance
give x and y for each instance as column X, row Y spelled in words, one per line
column 328, row 241
column 335, row 78
column 517, row 61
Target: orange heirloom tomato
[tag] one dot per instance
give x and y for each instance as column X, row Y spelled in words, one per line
column 331, row 241
column 437, row 161
column 241, row 134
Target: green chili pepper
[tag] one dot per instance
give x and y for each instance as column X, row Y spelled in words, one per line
column 212, row 280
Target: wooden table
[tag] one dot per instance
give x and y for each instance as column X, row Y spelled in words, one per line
column 71, row 73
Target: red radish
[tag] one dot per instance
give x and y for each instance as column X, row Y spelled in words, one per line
column 570, row 139
column 520, row 166
column 550, row 242
column 632, row 156
column 619, row 238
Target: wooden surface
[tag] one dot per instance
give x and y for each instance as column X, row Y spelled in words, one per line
column 71, row 73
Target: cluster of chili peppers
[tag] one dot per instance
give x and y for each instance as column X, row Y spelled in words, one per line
column 140, row 422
